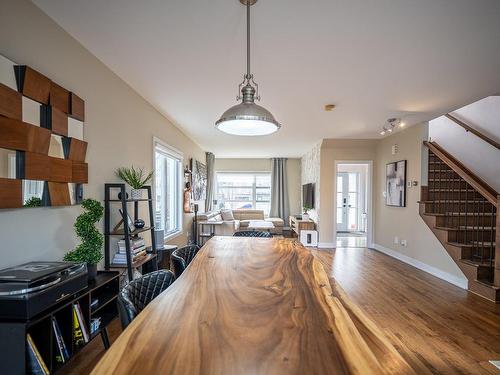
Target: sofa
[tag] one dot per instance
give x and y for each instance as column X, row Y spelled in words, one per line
column 238, row 220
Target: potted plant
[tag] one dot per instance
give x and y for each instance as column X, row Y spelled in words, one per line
column 90, row 250
column 136, row 178
column 305, row 215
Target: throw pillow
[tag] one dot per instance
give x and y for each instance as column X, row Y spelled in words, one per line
column 227, row 215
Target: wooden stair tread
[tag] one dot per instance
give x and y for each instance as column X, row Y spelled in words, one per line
column 462, row 228
column 455, row 201
column 474, row 263
column 471, row 244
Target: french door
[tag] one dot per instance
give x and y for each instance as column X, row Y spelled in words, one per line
column 347, row 201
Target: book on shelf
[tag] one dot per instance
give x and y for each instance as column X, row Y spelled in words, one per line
column 134, row 242
column 95, row 323
column 134, row 250
column 62, row 354
column 80, row 334
column 122, row 258
column 36, row 364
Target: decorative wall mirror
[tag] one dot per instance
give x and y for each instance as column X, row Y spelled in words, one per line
column 42, row 151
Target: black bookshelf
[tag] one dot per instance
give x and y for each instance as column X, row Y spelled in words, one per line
column 148, row 262
column 13, row 333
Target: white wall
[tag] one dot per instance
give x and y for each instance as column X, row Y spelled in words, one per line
column 310, row 173
column 479, row 156
column 119, row 128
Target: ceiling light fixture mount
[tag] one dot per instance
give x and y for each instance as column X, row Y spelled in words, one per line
column 248, row 118
column 392, row 123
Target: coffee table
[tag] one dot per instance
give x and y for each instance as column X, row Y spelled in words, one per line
column 260, row 225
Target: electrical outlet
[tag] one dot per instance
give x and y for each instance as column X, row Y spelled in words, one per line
column 396, row 240
column 404, row 243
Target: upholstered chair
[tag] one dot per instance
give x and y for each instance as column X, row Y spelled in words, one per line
column 137, row 293
column 250, row 233
column 181, row 258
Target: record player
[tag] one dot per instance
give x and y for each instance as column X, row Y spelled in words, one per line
column 31, row 288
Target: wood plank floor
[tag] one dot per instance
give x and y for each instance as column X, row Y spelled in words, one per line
column 437, row 327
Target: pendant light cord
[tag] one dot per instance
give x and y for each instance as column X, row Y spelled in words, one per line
column 248, row 39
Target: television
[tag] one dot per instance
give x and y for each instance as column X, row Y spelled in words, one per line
column 308, row 195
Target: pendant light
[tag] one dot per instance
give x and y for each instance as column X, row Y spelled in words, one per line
column 248, row 118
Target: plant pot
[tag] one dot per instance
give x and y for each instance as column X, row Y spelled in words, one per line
column 136, row 194
column 305, row 217
column 91, row 271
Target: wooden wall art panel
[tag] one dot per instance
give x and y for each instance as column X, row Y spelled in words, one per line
column 53, row 119
column 80, row 173
column 59, row 194
column 76, row 107
column 11, row 193
column 21, row 136
column 75, row 149
column 32, row 84
column 37, row 95
column 59, row 98
column 10, row 103
column 61, row 170
column 33, row 166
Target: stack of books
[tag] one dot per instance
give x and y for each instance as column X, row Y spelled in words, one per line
column 137, row 250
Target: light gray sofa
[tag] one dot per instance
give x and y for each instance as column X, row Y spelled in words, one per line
column 241, row 220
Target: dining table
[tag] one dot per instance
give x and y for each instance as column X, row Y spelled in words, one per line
column 253, row 306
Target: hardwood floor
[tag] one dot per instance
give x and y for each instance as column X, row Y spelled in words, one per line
column 438, row 328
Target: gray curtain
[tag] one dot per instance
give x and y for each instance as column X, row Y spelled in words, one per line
column 280, row 205
column 209, row 202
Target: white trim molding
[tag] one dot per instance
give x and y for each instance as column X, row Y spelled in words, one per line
column 461, row 282
column 326, row 245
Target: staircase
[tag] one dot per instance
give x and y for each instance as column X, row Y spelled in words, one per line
column 461, row 210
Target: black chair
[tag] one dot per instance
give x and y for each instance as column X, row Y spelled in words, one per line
column 181, row 258
column 250, row 233
column 136, row 294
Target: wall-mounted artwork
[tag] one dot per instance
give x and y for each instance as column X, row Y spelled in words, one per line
column 395, row 181
column 199, row 175
column 42, row 151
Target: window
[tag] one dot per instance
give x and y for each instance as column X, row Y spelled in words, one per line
column 244, row 190
column 168, row 189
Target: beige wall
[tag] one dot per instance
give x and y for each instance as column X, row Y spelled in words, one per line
column 264, row 165
column 333, row 150
column 406, row 223
column 119, row 127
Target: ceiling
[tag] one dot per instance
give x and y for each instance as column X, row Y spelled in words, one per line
column 373, row 59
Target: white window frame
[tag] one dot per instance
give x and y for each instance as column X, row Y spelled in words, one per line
column 254, row 187
column 159, row 145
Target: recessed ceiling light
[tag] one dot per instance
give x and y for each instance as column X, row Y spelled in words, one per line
column 329, row 107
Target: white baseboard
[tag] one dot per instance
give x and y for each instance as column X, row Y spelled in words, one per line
column 326, row 245
column 455, row 280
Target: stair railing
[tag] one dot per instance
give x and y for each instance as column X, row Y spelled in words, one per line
column 474, row 131
column 479, row 221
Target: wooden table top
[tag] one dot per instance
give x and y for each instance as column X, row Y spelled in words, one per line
column 252, row 306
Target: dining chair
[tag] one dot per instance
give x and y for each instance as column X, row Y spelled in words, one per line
column 136, row 294
column 250, row 233
column 181, row 258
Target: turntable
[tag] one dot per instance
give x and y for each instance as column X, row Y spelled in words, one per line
column 31, row 288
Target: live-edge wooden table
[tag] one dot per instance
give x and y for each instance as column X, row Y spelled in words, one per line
column 252, row 306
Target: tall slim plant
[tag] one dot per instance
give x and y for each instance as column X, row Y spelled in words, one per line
column 90, row 250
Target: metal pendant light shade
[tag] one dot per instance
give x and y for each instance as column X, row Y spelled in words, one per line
column 248, row 118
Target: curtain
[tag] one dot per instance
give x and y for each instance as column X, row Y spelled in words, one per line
column 280, row 206
column 209, row 202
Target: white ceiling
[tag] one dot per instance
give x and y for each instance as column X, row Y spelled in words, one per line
column 374, row 59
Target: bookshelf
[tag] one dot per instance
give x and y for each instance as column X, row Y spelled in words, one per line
column 14, row 352
column 147, row 261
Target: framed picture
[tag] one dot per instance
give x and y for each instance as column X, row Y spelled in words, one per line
column 395, row 184
column 199, row 183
